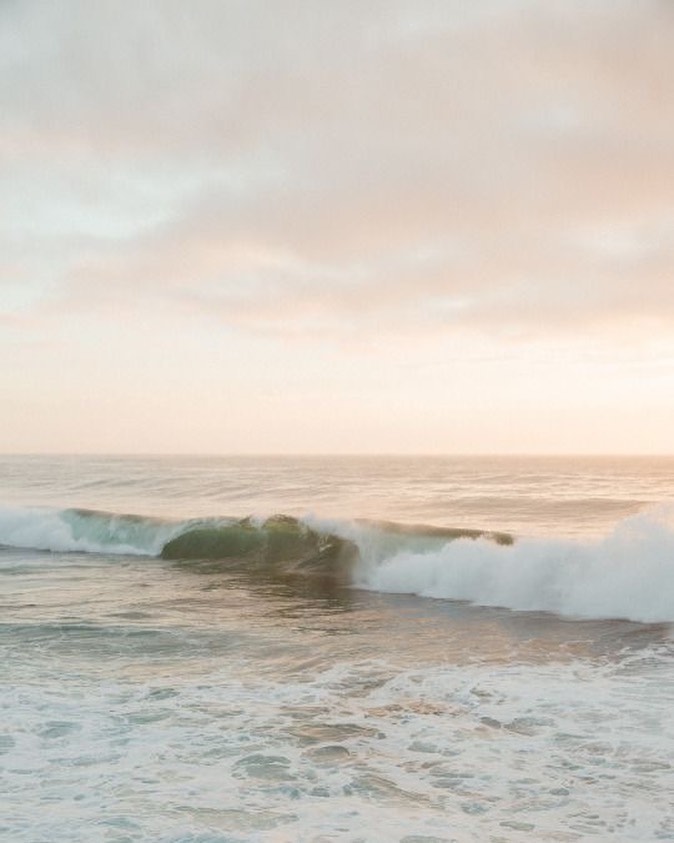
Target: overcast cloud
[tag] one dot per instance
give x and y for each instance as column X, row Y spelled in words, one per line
column 411, row 165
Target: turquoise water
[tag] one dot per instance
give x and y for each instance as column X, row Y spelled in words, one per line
column 430, row 687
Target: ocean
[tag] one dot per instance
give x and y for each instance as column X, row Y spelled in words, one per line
column 414, row 649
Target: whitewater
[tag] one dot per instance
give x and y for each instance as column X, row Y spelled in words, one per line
column 335, row 648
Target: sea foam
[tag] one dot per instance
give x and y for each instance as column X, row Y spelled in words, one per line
column 627, row 574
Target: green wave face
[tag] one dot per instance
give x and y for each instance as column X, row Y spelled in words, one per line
column 280, row 542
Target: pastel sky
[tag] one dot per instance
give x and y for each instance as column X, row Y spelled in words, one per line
column 393, row 226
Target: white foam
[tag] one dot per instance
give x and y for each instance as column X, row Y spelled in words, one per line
column 44, row 528
column 448, row 753
column 628, row 574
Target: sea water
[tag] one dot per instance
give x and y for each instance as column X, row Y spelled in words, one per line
column 181, row 664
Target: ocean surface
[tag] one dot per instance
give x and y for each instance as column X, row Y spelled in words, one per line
column 417, row 649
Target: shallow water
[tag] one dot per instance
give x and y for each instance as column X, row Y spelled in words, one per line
column 196, row 700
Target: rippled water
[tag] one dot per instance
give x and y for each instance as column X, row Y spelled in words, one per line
column 526, row 495
column 187, row 700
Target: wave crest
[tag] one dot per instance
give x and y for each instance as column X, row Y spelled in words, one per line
column 628, row 574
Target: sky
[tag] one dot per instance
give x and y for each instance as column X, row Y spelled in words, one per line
column 296, row 226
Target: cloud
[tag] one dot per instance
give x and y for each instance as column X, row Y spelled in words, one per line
column 313, row 170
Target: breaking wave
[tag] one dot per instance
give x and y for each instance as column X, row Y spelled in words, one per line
column 627, row 574
column 84, row 531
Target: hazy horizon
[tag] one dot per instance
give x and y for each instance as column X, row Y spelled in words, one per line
column 346, row 455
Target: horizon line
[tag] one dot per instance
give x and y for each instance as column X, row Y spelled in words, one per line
column 344, row 454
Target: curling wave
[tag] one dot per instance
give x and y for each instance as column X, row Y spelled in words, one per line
column 93, row 531
column 628, row 574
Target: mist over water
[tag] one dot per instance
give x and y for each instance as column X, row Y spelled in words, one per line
column 365, row 668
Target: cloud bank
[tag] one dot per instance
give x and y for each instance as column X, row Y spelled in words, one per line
column 313, row 169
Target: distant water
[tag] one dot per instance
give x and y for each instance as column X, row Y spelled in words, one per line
column 203, row 649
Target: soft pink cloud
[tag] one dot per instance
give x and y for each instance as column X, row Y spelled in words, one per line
column 498, row 166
